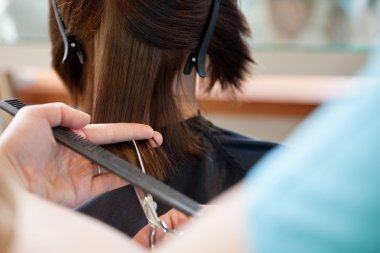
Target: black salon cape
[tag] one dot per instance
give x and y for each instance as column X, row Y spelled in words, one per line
column 227, row 159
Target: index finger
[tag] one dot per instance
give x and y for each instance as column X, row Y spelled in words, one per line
column 103, row 134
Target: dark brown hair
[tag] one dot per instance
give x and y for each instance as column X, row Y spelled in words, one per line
column 135, row 51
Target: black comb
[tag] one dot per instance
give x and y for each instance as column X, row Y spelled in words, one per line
column 120, row 167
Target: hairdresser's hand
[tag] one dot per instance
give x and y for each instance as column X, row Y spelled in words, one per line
column 52, row 170
column 174, row 219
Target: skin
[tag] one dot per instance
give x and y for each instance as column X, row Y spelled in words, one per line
column 29, row 153
column 45, row 227
column 173, row 219
column 53, row 171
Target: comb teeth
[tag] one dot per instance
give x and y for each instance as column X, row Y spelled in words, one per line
column 60, row 132
column 15, row 103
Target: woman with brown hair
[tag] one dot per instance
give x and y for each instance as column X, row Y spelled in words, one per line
column 132, row 61
column 321, row 196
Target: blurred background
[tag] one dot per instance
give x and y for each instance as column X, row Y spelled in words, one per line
column 307, row 51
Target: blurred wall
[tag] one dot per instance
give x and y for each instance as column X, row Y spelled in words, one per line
column 275, row 128
column 290, row 37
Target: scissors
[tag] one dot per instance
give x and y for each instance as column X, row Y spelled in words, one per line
column 149, row 207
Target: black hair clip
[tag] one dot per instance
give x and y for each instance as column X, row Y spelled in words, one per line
column 197, row 59
column 70, row 42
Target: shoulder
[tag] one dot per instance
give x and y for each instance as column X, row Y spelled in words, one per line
column 235, row 140
column 247, row 151
column 242, row 150
column 326, row 187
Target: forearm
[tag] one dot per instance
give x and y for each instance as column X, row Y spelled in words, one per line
column 218, row 230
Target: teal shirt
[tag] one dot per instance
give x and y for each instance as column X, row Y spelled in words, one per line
column 322, row 194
